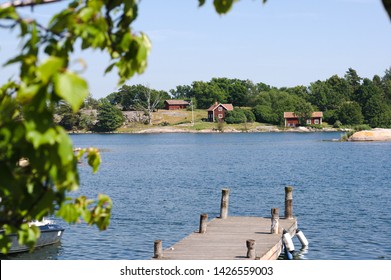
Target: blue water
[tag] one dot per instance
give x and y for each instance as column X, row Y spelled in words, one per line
column 161, row 183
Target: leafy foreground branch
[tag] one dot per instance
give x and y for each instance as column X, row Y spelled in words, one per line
column 37, row 164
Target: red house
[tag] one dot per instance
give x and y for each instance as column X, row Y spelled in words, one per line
column 291, row 120
column 176, row 104
column 217, row 111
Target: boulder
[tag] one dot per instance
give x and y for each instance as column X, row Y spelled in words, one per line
column 376, row 134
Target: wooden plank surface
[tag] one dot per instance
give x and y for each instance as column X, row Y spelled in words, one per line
column 225, row 239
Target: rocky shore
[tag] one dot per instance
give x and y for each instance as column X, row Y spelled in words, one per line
column 172, row 129
column 376, row 134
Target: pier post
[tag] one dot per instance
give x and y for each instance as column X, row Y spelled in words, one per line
column 250, row 243
column 158, row 249
column 203, row 221
column 224, row 204
column 275, row 220
column 288, row 202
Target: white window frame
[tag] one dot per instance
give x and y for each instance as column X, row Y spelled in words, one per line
column 220, row 109
column 316, row 121
column 220, row 116
column 309, row 121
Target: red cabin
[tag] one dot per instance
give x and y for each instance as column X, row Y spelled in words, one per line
column 291, row 120
column 176, row 104
column 216, row 112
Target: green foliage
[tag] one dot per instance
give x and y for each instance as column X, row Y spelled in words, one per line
column 239, row 115
column 235, row 116
column 350, row 114
column 337, row 124
column 250, row 117
column 37, row 163
column 304, row 112
column 109, row 117
column 134, row 97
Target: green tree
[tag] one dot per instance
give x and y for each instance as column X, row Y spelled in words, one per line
column 109, row 117
column 271, row 105
column 350, row 113
column 303, row 111
column 181, row 92
column 353, row 79
column 264, row 114
column 207, row 94
column 147, row 100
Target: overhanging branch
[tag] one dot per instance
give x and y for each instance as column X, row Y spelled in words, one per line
column 27, row 3
column 387, row 6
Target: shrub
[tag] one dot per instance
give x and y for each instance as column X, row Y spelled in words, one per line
column 337, row 124
column 235, row 116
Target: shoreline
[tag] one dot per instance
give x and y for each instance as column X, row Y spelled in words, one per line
column 265, row 129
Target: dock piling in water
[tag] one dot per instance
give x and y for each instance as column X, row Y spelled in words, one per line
column 224, row 203
column 288, row 202
column 275, row 220
column 158, row 249
column 203, row 222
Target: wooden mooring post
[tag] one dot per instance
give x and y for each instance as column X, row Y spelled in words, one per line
column 158, row 249
column 288, row 202
column 203, row 222
column 250, row 243
column 224, row 204
column 275, row 220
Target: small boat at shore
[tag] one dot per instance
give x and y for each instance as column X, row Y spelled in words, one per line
column 51, row 233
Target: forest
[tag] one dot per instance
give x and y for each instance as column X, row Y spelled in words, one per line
column 350, row 100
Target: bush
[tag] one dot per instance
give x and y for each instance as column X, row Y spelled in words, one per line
column 361, row 127
column 235, row 116
column 316, row 126
column 250, row 117
column 337, row 124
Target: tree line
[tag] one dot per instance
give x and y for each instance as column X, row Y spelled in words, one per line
column 345, row 101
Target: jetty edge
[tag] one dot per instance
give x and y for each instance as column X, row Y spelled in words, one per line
column 237, row 237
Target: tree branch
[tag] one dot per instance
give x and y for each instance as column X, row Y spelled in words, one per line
column 27, row 3
column 387, row 6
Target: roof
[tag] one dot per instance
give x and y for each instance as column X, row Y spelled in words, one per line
column 176, row 102
column 228, row 107
column 289, row 115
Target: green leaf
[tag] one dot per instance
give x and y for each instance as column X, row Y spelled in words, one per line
column 201, row 3
column 69, row 213
column 223, row 6
column 72, row 88
column 93, row 158
column 27, row 92
column 65, row 149
column 50, row 67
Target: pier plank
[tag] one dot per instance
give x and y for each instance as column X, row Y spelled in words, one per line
column 225, row 239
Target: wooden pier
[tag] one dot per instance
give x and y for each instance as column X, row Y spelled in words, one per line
column 232, row 237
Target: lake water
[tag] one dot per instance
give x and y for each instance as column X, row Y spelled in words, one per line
column 161, row 183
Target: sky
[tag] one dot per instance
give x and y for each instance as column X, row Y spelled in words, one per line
column 282, row 43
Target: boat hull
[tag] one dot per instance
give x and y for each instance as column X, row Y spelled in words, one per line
column 50, row 234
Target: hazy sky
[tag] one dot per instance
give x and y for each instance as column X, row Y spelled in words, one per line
column 281, row 43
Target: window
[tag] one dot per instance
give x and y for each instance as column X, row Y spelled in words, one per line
column 309, row 121
column 220, row 109
column 316, row 121
column 220, row 116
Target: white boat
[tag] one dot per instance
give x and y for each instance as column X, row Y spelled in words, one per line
column 51, row 233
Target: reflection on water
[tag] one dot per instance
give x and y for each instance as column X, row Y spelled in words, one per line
column 50, row 252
